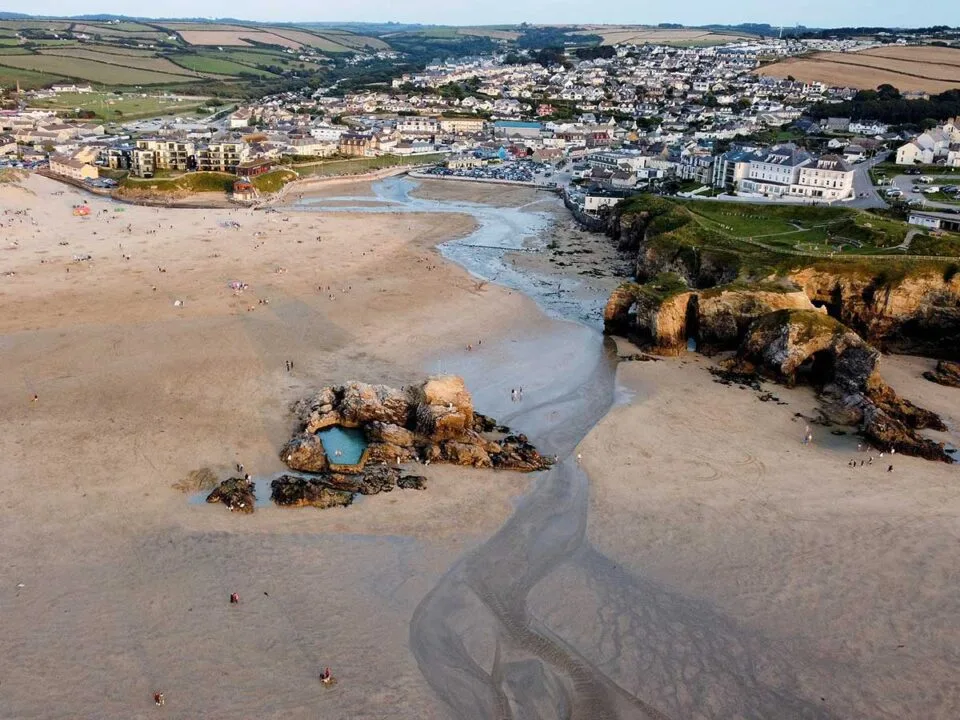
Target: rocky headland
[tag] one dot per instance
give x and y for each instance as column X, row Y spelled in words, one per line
column 901, row 306
column 818, row 322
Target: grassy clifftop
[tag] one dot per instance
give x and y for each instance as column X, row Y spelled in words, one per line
column 759, row 240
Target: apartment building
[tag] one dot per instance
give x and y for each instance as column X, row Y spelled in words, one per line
column 143, row 162
column 463, row 126
column 784, row 171
column 222, row 156
column 419, row 126
column 775, row 171
column 170, row 155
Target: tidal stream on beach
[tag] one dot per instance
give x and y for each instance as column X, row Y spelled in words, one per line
column 475, row 638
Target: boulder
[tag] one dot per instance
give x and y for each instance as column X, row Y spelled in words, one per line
column 290, row 491
column 386, row 453
column 444, row 408
column 946, row 373
column 389, row 434
column 412, row 482
column 516, row 453
column 461, row 453
column 236, row 493
column 361, row 403
column 304, row 452
column 885, row 431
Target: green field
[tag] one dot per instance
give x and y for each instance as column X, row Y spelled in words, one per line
column 151, row 64
column 356, row 166
column 89, row 70
column 216, row 65
column 110, row 106
column 760, row 240
column 803, row 228
column 28, row 79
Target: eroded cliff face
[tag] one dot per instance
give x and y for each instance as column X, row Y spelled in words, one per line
column 899, row 308
column 716, row 319
column 919, row 313
column 699, row 267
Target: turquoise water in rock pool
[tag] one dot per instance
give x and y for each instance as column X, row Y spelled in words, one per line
column 350, row 442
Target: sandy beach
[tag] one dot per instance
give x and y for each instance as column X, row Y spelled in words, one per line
column 125, row 583
column 746, row 549
column 698, row 561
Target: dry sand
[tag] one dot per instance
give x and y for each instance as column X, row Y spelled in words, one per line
column 125, row 584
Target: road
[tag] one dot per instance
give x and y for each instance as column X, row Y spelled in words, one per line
column 866, row 194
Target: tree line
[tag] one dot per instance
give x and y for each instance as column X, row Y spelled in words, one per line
column 887, row 105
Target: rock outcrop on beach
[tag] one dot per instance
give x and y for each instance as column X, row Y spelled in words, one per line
column 290, row 491
column 430, row 422
column 805, row 345
column 236, row 493
column 946, row 373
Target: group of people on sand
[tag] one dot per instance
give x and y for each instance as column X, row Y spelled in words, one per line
column 326, row 677
column 869, row 461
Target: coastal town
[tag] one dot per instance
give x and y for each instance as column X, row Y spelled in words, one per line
column 701, row 121
column 402, row 370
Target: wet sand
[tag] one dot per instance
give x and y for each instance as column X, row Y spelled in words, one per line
column 736, row 573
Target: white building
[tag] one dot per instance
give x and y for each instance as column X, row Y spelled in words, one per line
column 327, row 133
column 775, row 171
column 829, row 178
column 419, row 126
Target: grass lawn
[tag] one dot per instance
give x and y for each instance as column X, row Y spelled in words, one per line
column 948, row 245
column 809, row 229
column 943, row 197
column 355, row 166
column 743, row 220
column 110, row 106
column 271, row 182
column 28, row 79
column 191, row 182
column 892, row 169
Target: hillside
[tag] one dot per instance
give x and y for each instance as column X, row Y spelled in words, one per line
column 916, row 68
column 228, row 57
